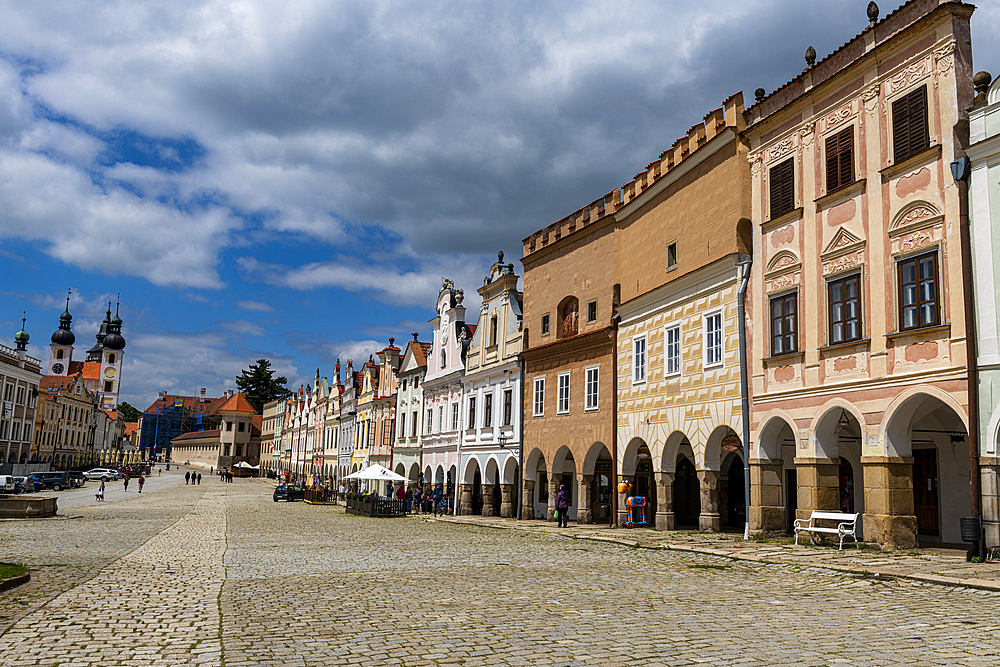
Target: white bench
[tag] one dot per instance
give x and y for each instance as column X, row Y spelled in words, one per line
column 846, row 526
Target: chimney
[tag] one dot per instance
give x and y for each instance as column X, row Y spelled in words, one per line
column 201, row 397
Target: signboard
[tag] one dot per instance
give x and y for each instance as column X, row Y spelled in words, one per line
column 602, row 466
column 731, row 443
column 179, row 403
column 8, row 409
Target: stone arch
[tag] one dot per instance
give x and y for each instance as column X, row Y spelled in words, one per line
column 428, row 475
column 491, row 472
column 630, row 455
column 593, row 454
column 771, row 433
column 560, row 458
column 671, row 448
column 824, row 432
column 899, row 416
column 991, row 442
column 713, row 454
column 531, row 465
column 400, row 470
column 510, row 473
column 439, row 477
column 471, row 467
column 414, row 474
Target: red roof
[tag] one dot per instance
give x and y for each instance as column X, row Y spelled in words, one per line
column 237, row 403
column 190, row 402
column 56, row 381
column 131, row 427
column 212, row 434
column 92, row 370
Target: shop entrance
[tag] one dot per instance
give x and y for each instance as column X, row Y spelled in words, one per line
column 687, row 494
column 925, row 492
column 644, row 484
column 601, row 501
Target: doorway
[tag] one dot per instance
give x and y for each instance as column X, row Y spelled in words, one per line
column 735, row 494
column 791, row 499
column 477, row 493
column 601, row 502
column 687, row 494
column 846, row 487
column 925, row 492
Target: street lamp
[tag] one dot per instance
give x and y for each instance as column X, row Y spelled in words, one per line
column 502, row 438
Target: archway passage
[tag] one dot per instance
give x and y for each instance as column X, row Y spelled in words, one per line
column 477, row 492
column 600, row 486
column 687, row 494
column 733, row 506
column 645, row 484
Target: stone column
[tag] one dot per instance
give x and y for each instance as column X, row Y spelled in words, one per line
column 583, row 512
column 819, row 486
column 488, row 500
column 767, row 504
column 507, row 501
column 709, row 519
column 989, row 473
column 890, row 516
column 665, row 501
column 465, row 499
column 550, row 513
column 528, row 500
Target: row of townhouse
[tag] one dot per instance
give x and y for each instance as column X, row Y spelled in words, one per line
column 61, row 414
column 789, row 295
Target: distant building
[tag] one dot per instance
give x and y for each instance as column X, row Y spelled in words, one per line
column 20, row 376
column 234, row 438
column 101, row 371
column 409, row 406
column 171, row 415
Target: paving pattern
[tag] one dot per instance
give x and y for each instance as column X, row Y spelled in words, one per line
column 219, row 574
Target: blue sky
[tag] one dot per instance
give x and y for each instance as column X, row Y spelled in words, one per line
column 292, row 180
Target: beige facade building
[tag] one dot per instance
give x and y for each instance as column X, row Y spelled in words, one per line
column 20, row 376
column 235, row 438
column 859, row 342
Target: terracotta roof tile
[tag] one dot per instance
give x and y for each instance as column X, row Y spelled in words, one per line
column 212, row 434
column 238, row 403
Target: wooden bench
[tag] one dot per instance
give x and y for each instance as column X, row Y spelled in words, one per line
column 846, row 526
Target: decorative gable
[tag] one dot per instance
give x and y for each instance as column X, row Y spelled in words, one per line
column 843, row 242
column 784, row 261
column 913, row 216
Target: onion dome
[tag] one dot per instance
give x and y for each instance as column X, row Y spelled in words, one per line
column 63, row 335
column 114, row 341
column 21, row 337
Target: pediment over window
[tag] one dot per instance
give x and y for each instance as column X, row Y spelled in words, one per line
column 915, row 215
column 782, row 262
column 843, row 241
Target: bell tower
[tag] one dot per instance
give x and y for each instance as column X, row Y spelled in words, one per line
column 112, row 352
column 61, row 347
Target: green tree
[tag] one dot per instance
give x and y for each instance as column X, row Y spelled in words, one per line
column 130, row 413
column 259, row 385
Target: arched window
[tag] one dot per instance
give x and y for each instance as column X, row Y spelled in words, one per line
column 59, row 354
column 444, row 358
column 111, row 358
column 493, row 330
column 569, row 317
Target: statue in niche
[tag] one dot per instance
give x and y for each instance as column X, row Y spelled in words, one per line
column 570, row 318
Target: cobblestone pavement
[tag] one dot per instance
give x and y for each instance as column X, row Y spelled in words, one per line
column 219, row 574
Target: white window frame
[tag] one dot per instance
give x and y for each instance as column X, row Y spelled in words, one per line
column 430, row 421
column 455, row 413
column 562, row 393
column 592, row 375
column 667, row 330
column 441, row 418
column 707, row 343
column 639, row 370
column 538, row 398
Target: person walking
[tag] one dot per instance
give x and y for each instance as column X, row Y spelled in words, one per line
column 142, row 480
column 343, row 490
column 187, row 477
column 125, row 483
column 100, row 493
column 438, row 495
column 199, row 479
column 562, row 507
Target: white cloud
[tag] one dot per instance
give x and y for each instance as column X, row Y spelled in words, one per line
column 255, row 305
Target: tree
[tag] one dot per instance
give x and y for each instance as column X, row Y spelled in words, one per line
column 259, row 385
column 130, row 413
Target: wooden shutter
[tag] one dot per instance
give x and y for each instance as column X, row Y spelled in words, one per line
column 909, row 125
column 782, row 188
column 840, row 160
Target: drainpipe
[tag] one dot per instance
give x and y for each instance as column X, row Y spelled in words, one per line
column 615, row 318
column 960, row 171
column 520, row 432
column 744, row 263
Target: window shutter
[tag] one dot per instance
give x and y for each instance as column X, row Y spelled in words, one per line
column 900, row 130
column 909, row 125
column 782, row 188
column 846, row 156
column 833, row 163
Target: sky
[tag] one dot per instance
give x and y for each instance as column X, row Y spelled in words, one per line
column 291, row 180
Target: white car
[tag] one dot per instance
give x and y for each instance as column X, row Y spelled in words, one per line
column 103, row 474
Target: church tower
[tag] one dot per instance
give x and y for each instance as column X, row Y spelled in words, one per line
column 113, row 350
column 61, row 347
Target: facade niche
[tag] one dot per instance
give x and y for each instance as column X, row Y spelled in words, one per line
column 569, row 317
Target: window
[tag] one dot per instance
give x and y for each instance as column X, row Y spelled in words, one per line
column 508, row 405
column 59, row 354
column 493, row 330
column 454, row 416
column 713, row 339
column 441, row 418
column 488, row 410
column 404, row 384
column 109, row 385
column 545, row 324
column 416, row 382
column 111, row 358
column 784, row 323
column 639, row 359
column 671, row 256
column 782, row 177
column 229, row 426
column 413, row 430
column 430, row 421
column 918, row 305
column 592, row 311
column 592, row 388
column 242, row 427
column 562, row 396
column 909, row 125
column 673, row 350
column 472, row 412
column 840, row 160
column 845, row 311
column 539, row 397
column 444, row 358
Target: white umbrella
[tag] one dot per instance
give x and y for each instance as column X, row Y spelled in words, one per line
column 244, row 464
column 377, row 472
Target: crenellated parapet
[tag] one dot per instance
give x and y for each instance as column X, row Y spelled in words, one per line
column 729, row 115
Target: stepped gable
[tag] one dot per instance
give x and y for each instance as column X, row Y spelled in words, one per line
column 727, row 116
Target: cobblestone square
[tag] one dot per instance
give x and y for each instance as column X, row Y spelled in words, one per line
column 218, row 574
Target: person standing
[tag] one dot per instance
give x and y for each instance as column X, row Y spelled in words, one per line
column 100, row 493
column 438, row 495
column 187, row 477
column 142, row 480
column 199, row 479
column 343, row 490
column 125, row 483
column 562, row 507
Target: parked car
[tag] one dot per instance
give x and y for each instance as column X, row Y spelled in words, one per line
column 288, row 492
column 103, row 474
column 32, row 483
column 57, row 480
column 76, row 479
column 7, row 484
